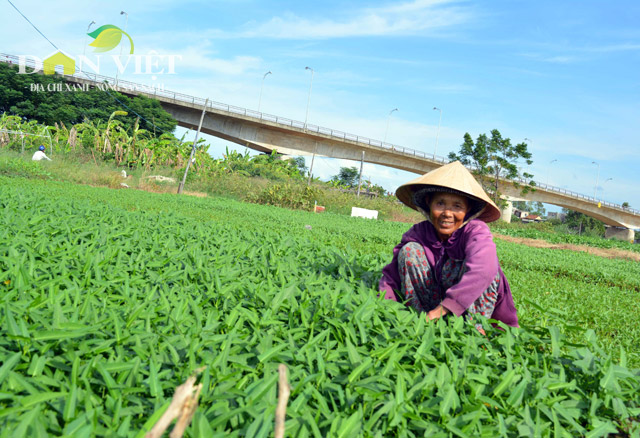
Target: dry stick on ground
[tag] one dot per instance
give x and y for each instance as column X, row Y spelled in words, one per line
column 183, row 405
column 283, row 397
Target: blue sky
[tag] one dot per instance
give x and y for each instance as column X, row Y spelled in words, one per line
column 565, row 75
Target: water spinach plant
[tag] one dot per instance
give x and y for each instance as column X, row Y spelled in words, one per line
column 109, row 299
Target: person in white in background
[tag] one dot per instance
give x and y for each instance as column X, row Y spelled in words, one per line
column 40, row 155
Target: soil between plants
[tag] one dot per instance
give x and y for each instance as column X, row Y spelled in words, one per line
column 610, row 253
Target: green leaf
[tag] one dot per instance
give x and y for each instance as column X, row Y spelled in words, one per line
column 515, row 398
column 610, row 381
column 603, row 429
column 31, row 400
column 8, row 365
column 271, row 352
column 451, row 401
column 70, row 404
column 354, row 356
column 107, row 40
column 555, row 340
column 108, row 37
column 154, row 383
column 98, row 31
column 505, row 382
column 146, row 427
column 351, row 426
column 355, row 374
column 48, row 335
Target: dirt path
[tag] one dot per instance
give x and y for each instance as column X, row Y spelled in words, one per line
column 610, row 253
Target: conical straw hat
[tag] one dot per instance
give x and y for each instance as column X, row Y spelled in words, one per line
column 450, row 176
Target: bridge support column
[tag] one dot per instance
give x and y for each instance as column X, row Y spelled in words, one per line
column 619, row 234
column 506, row 212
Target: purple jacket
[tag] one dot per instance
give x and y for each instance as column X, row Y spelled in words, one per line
column 472, row 243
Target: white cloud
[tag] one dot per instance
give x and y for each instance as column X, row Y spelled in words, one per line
column 409, row 18
column 198, row 63
column 559, row 59
column 324, row 168
column 450, row 88
column 583, row 51
column 553, row 59
column 613, row 48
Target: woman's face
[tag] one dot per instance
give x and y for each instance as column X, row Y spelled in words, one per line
column 447, row 212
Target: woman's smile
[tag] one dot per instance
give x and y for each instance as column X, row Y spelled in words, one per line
column 447, row 212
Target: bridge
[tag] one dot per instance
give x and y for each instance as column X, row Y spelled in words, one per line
column 267, row 133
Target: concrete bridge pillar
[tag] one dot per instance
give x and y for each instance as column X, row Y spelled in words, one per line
column 619, row 234
column 507, row 211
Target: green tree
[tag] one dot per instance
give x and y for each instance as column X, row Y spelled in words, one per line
column 300, row 164
column 33, row 97
column 381, row 191
column 348, row 176
column 625, row 205
column 583, row 224
column 530, row 206
column 155, row 118
column 493, row 160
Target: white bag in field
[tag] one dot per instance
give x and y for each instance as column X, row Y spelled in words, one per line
column 363, row 212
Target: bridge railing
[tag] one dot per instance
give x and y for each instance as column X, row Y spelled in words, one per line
column 583, row 197
column 115, row 83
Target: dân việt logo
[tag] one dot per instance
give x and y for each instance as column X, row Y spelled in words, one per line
column 108, row 37
column 105, row 39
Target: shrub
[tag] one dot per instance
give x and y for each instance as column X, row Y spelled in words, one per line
column 286, row 195
column 10, row 166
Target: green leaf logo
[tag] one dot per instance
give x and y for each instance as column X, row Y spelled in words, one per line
column 108, row 37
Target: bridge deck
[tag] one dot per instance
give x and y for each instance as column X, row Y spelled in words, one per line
column 611, row 213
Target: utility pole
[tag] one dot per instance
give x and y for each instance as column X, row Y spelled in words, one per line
column 84, row 47
column 438, row 133
column 125, row 29
column 360, row 176
column 193, row 149
column 306, row 116
column 386, row 131
column 595, row 189
column 313, row 157
column 261, row 87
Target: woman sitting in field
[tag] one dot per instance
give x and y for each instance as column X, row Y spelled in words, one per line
column 448, row 263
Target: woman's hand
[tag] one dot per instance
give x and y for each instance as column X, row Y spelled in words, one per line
column 436, row 313
column 440, row 311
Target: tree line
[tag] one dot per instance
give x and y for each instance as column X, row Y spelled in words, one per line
column 28, row 96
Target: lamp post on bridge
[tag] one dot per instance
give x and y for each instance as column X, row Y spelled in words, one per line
column 602, row 192
column 261, row 87
column 309, row 97
column 549, row 170
column 528, row 140
column 126, row 22
column 84, row 48
column 388, row 120
column 437, row 132
column 595, row 189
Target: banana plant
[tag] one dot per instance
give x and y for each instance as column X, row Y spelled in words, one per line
column 111, row 124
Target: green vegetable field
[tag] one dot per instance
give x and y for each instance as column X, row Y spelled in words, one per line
column 553, row 237
column 110, row 299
